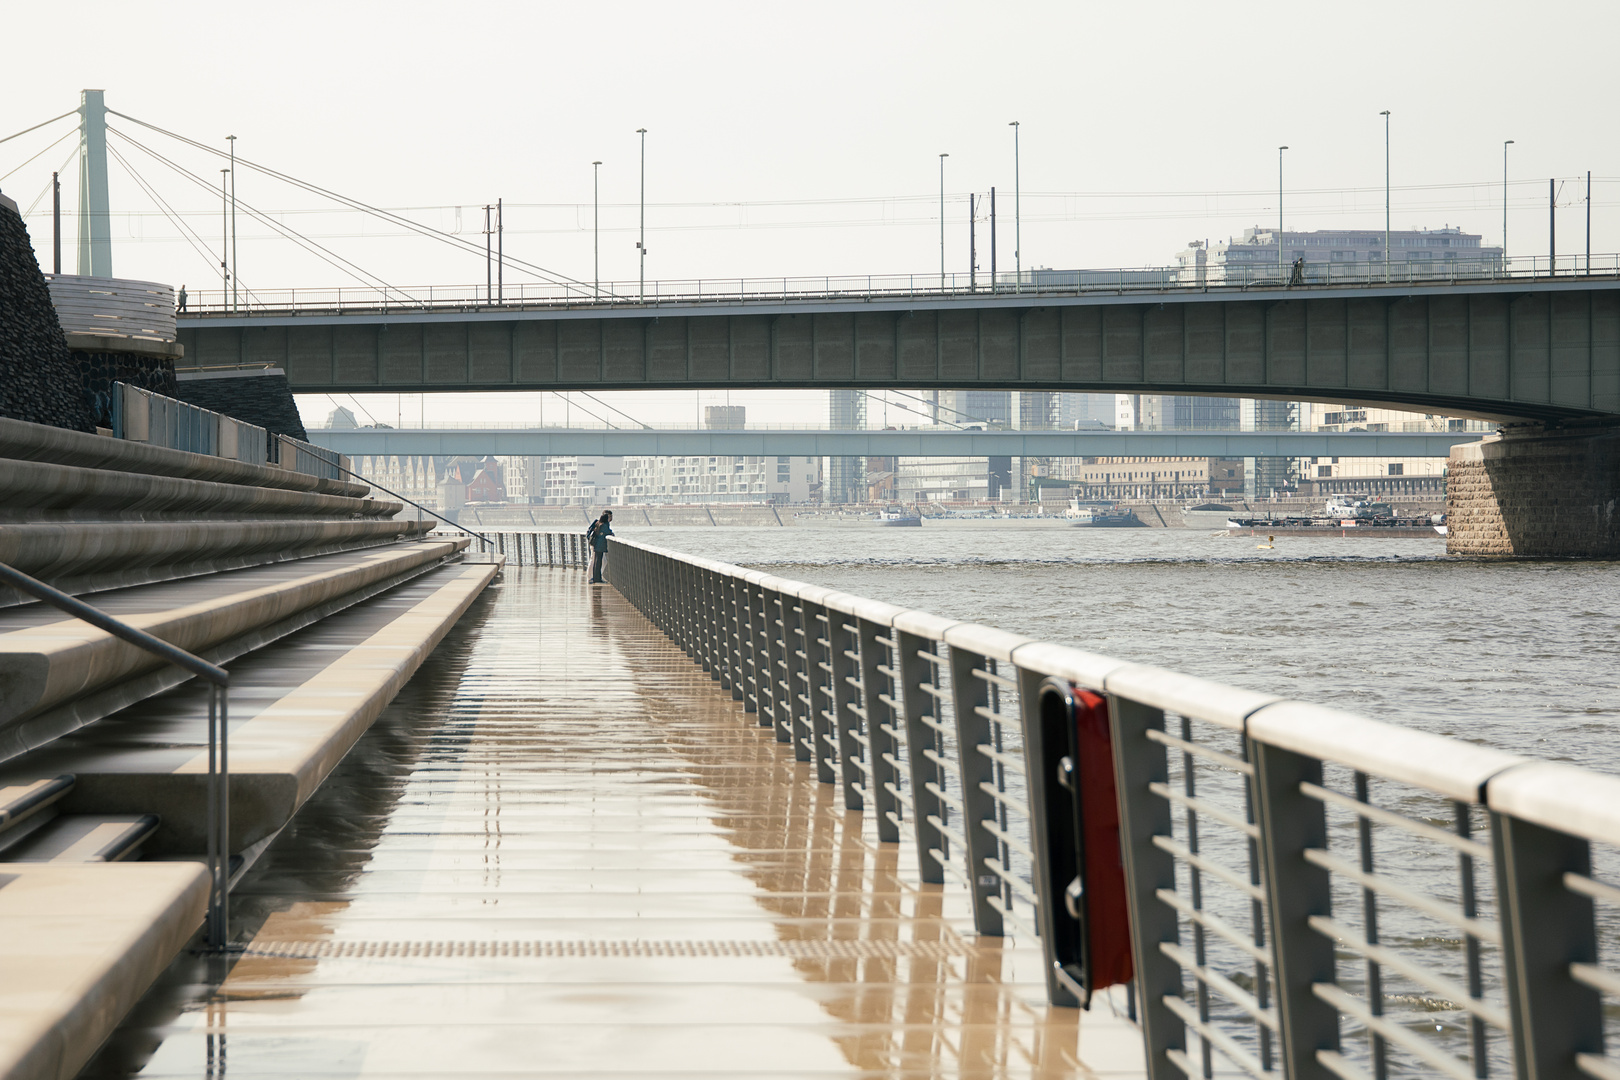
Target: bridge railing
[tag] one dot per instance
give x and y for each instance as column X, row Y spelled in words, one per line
column 744, row 290
column 1311, row 893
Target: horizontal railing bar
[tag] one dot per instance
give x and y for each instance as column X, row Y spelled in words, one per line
column 1592, row 887
column 861, row 764
column 1227, row 1045
column 1597, row 1066
column 1600, row 979
column 1211, row 921
column 1180, row 851
column 949, row 800
column 902, row 799
column 889, row 643
column 1012, row 916
column 1399, row 821
column 938, row 823
column 942, row 762
column 860, row 738
column 1341, row 1066
column 995, row 677
column 934, row 692
column 1013, row 763
column 1001, row 797
column 995, row 716
column 994, row 829
column 1387, row 957
column 1199, row 806
column 932, row 657
column 1017, row 886
column 1399, row 1034
column 1444, row 912
column 1221, row 984
column 1198, row 750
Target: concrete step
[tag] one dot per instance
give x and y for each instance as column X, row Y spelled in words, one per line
column 49, row 663
column 80, row 838
column 82, row 942
column 87, row 557
column 38, row 442
column 295, row 709
column 20, row 803
column 35, row 490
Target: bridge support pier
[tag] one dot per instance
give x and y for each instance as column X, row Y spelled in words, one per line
column 1536, row 491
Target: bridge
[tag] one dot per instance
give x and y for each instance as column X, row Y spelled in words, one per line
column 1540, row 348
column 587, row 442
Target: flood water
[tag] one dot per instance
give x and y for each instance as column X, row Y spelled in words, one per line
column 1524, row 656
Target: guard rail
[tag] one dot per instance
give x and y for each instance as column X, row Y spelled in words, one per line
column 1312, row 893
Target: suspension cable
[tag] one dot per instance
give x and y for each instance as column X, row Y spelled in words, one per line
column 326, row 254
column 187, row 232
column 443, row 237
column 41, row 154
column 36, row 127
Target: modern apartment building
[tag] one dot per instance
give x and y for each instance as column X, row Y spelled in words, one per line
column 1335, row 255
column 779, row 480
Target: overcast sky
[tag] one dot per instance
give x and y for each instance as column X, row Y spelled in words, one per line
column 805, row 139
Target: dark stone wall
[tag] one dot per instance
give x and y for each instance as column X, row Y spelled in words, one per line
column 99, row 370
column 263, row 400
column 39, row 381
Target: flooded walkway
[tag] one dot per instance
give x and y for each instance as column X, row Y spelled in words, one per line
column 564, row 851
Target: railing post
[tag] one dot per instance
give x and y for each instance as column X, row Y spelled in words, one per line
column 800, row 682
column 739, row 639
column 753, row 664
column 969, row 695
column 1290, row 823
column 881, row 728
column 914, row 673
column 818, row 663
column 1546, row 927
column 1139, row 762
column 774, row 688
column 842, row 645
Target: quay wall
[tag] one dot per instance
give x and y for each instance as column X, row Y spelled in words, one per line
column 1551, row 493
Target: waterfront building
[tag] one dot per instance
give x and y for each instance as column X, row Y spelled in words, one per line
column 1386, row 476
column 1151, row 478
column 756, row 480
column 1336, row 254
column 846, row 477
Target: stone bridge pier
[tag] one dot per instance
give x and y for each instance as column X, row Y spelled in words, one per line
column 1537, row 490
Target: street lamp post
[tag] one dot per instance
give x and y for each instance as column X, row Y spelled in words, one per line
column 224, row 238
column 1505, row 145
column 1385, row 115
column 942, row 158
column 1280, row 271
column 232, row 140
column 596, row 226
column 1018, row 217
column 642, row 243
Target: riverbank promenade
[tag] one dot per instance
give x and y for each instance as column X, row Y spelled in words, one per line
column 583, row 858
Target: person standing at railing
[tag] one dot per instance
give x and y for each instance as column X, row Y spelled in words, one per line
column 598, row 534
column 180, row 302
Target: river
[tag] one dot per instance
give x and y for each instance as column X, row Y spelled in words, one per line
column 1521, row 655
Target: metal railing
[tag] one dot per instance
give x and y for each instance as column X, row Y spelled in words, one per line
column 734, row 290
column 218, row 680
column 537, row 549
column 1311, row 893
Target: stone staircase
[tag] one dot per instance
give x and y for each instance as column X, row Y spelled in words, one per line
column 317, row 598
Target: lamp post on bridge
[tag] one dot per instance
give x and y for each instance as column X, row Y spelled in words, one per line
column 1385, row 115
column 942, row 158
column 1280, row 271
column 596, row 226
column 1018, row 217
column 232, row 140
column 1505, row 145
column 224, row 238
column 642, row 243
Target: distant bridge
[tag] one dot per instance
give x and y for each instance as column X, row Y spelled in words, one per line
column 1543, row 347
column 592, row 442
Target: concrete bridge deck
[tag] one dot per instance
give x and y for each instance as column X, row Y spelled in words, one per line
column 590, row 861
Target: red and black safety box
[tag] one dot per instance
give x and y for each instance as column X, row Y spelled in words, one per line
column 1086, row 935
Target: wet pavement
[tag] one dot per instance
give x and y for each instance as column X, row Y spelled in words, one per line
column 563, row 851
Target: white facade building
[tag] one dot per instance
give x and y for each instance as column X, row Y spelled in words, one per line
column 758, row 480
column 1337, row 254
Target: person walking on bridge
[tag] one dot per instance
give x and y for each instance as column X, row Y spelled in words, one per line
column 598, row 534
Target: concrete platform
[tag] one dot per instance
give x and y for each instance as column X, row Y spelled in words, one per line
column 79, row 945
column 295, row 709
column 47, row 658
column 565, row 853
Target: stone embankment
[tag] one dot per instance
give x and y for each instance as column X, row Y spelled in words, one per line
column 39, row 381
column 1537, row 492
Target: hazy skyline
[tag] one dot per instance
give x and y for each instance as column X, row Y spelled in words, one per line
column 784, row 141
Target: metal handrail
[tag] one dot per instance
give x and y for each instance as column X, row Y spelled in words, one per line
column 218, row 735
column 1273, row 780
column 319, row 452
